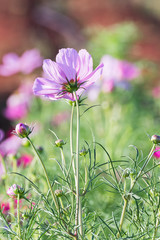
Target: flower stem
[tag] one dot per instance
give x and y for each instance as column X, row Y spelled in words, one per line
column 71, row 142
column 46, row 175
column 131, row 188
column 86, row 173
column 156, row 228
column 122, row 216
column 78, row 216
column 18, row 219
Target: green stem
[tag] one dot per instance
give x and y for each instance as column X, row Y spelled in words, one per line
column 122, row 217
column 156, row 228
column 131, row 188
column 78, row 217
column 63, row 159
column 86, row 174
column 46, row 175
column 18, row 219
column 71, row 142
column 156, row 216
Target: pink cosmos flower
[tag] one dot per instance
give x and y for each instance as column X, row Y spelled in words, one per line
column 24, row 160
column 117, row 73
column 72, row 72
column 5, row 207
column 157, row 153
column 13, row 64
column 10, row 145
column 18, row 103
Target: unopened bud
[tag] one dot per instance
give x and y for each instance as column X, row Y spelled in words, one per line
column 26, row 215
column 83, row 152
column 16, row 190
column 40, row 149
column 22, row 130
column 155, row 139
column 58, row 192
column 126, row 172
column 59, row 143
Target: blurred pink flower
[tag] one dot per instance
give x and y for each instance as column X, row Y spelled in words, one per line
column 60, row 118
column 13, row 64
column 10, row 145
column 18, row 103
column 117, row 73
column 24, row 160
column 1, row 135
column 72, row 72
column 157, row 153
column 156, row 92
column 5, row 207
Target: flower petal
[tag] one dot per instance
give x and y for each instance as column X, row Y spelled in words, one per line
column 68, row 56
column 86, row 64
column 68, row 60
column 45, row 87
column 92, row 77
column 53, row 71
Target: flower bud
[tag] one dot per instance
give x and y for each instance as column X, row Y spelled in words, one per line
column 59, row 143
column 126, row 172
column 22, row 130
column 25, row 215
column 58, row 192
column 16, row 190
column 40, row 149
column 132, row 173
column 83, row 152
column 155, row 139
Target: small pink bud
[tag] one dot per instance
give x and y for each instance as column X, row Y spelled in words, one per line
column 22, row 130
column 155, row 139
column 59, row 143
column 58, row 192
column 14, row 190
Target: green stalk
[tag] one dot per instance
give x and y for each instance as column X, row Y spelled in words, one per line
column 86, row 173
column 71, row 142
column 122, row 216
column 131, row 188
column 63, row 159
column 156, row 228
column 18, row 219
column 46, row 175
column 78, row 217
